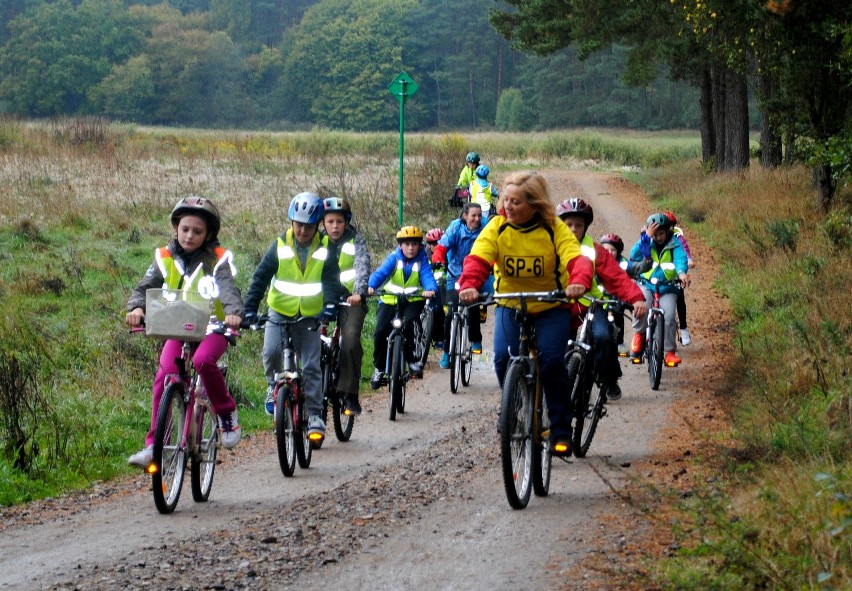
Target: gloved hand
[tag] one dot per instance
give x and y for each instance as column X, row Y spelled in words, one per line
column 249, row 318
column 645, row 245
column 328, row 314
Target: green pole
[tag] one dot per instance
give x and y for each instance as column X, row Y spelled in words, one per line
column 401, row 146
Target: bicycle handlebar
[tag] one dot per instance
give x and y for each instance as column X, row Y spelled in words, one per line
column 219, row 327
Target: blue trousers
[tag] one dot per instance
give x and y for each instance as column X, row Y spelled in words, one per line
column 552, row 328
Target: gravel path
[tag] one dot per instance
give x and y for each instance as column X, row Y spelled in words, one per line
column 417, row 503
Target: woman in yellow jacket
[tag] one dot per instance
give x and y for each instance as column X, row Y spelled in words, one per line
column 531, row 250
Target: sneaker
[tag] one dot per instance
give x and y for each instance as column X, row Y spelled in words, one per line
column 476, row 347
column 416, row 369
column 439, row 344
column 483, row 314
column 613, row 392
column 560, row 446
column 270, row 401
column 351, row 406
column 622, row 350
column 444, row 363
column 671, row 359
column 230, row 430
column 143, row 458
column 316, row 428
column 377, row 378
column 637, row 345
column 685, row 337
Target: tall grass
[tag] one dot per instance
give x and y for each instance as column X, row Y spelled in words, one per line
column 786, row 520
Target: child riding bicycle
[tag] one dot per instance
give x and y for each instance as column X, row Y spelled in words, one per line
column 615, row 246
column 531, row 250
column 302, row 277
column 193, row 260
column 404, row 270
column 578, row 216
column 455, row 244
column 685, row 337
column 353, row 258
column 668, row 263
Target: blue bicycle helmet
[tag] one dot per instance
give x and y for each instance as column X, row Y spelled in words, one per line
column 305, row 208
column 482, row 171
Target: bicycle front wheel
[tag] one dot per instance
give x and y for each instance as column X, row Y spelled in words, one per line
column 592, row 413
column 203, row 462
column 304, row 445
column 655, row 350
column 454, row 344
column 169, row 449
column 516, row 449
column 285, row 430
column 395, row 381
column 580, row 392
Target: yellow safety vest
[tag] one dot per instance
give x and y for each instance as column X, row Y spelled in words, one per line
column 398, row 284
column 295, row 292
column 482, row 196
column 587, row 247
column 175, row 277
column 346, row 261
column 665, row 262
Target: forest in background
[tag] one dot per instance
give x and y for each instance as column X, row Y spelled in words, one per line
column 305, row 63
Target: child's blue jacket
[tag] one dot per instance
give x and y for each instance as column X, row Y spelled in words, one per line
column 381, row 275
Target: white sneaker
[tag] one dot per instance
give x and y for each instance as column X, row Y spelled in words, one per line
column 230, row 430
column 269, row 405
column 143, row 458
column 685, row 338
column 316, row 426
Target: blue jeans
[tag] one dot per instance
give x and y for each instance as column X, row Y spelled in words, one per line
column 552, row 328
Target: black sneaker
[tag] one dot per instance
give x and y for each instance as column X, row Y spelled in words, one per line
column 377, row 378
column 351, row 406
column 613, row 392
column 560, row 447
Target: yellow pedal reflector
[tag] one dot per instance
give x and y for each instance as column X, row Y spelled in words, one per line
column 316, row 436
column 560, row 447
column 636, row 360
column 152, row 469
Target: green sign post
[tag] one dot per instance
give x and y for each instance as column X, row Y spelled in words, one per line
column 402, row 87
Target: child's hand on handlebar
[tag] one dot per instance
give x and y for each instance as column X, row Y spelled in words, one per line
column 233, row 321
column 469, row 295
column 639, row 308
column 428, row 294
column 134, row 317
column 575, row 291
column 684, row 279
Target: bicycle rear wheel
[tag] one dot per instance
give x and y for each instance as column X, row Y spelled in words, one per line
column 285, row 429
column 169, row 449
column 343, row 423
column 423, row 338
column 466, row 354
column 575, row 364
column 454, row 345
column 203, row 461
column 304, row 445
column 516, row 449
column 655, row 350
column 542, row 460
column 395, row 382
column 594, row 410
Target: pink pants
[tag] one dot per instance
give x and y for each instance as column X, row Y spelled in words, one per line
column 206, row 355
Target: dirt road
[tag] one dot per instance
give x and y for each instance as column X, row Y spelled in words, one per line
column 413, row 504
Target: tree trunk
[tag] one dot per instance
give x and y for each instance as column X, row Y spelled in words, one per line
column 719, row 122
column 736, row 121
column 708, row 138
column 825, row 186
column 770, row 136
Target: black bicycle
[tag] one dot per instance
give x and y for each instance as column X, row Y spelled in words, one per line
column 330, row 359
column 458, row 346
column 654, row 350
column 587, row 387
column 524, row 424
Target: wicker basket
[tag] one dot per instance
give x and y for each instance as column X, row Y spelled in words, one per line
column 176, row 314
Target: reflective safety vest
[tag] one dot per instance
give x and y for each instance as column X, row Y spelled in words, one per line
column 175, row 276
column 482, row 196
column 294, row 292
column 398, row 284
column 438, row 273
column 346, row 261
column 587, row 247
column 665, row 261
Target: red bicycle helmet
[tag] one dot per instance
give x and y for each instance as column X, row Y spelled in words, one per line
column 615, row 240
column 671, row 217
column 575, row 206
column 434, row 235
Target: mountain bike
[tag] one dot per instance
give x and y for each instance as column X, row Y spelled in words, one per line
column 588, row 391
column 524, row 424
column 291, row 419
column 330, row 359
column 187, row 428
column 397, row 373
column 423, row 333
column 457, row 345
column 653, row 350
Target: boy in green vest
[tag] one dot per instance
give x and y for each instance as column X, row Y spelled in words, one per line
column 405, row 270
column 302, row 277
